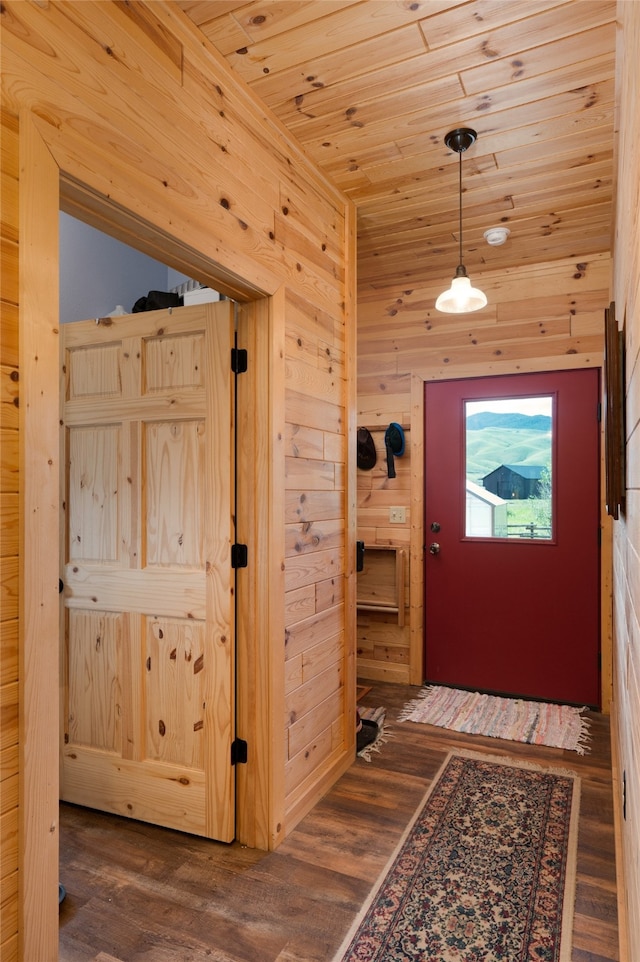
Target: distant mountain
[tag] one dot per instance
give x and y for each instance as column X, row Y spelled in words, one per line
column 519, row 422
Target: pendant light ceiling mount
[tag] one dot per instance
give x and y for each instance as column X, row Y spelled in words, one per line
column 461, row 297
column 460, row 139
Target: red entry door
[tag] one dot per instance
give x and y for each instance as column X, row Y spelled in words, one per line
column 516, row 614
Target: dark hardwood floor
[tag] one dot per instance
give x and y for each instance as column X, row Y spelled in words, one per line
column 138, row 893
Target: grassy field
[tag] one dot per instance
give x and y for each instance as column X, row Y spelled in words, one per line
column 533, row 511
column 489, row 448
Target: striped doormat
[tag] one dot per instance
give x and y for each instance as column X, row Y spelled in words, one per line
column 514, row 719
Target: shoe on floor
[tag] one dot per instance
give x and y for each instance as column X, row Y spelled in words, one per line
column 367, row 734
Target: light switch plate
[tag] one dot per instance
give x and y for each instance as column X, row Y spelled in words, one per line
column 397, row 515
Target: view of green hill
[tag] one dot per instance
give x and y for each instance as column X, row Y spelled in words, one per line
column 494, row 439
column 496, row 419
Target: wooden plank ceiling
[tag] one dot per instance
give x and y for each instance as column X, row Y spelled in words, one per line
column 370, row 88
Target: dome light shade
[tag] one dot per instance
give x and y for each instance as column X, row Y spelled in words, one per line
column 461, row 297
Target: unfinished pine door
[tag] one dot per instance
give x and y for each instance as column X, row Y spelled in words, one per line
column 148, row 651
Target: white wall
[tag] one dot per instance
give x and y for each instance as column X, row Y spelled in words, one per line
column 626, row 530
column 98, row 272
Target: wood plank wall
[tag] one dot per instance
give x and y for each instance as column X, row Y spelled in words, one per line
column 540, row 317
column 131, row 106
column 626, row 567
column 9, row 537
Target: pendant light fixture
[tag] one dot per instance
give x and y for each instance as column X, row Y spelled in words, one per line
column 461, row 297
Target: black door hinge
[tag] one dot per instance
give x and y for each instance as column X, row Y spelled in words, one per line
column 599, row 412
column 239, row 752
column 239, row 556
column 239, row 360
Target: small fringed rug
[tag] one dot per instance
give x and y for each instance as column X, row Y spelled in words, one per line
column 484, row 873
column 515, row 719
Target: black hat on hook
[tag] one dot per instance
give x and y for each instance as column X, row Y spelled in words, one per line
column 367, row 456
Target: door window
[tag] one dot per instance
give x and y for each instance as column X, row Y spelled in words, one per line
column 508, row 446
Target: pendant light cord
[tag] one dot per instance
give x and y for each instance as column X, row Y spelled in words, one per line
column 460, row 205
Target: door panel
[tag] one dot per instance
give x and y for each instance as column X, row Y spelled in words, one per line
column 518, row 616
column 148, row 653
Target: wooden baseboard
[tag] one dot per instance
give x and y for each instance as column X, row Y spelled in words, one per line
column 301, row 803
column 623, row 921
column 373, row 671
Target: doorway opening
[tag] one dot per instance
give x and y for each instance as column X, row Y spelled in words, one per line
column 259, row 318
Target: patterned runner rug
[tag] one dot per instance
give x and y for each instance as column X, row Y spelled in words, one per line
column 485, row 872
column 518, row 720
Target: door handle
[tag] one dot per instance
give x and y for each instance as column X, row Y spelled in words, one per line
column 434, row 548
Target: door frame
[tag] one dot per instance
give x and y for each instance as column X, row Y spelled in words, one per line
column 43, row 190
column 418, row 535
